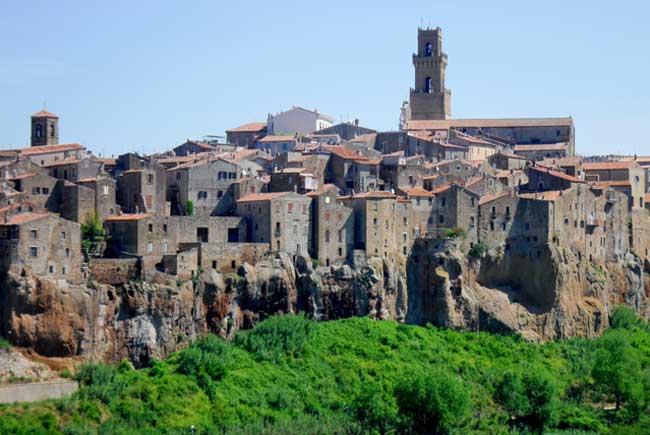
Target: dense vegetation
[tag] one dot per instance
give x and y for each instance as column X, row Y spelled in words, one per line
column 292, row 376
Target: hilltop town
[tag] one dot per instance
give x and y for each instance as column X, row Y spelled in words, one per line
column 338, row 198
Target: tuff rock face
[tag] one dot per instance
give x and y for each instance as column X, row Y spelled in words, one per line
column 554, row 296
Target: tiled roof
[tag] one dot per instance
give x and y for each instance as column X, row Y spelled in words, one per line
column 416, row 191
column 612, row 183
column 285, row 138
column 430, row 177
column 24, row 218
column 46, row 149
column 373, row 194
column 323, row 190
column 557, row 174
column 262, row 196
column 251, row 127
column 128, row 217
column 68, row 161
column 549, row 195
column 486, row 123
column 441, row 189
column 542, row 147
column 44, row 114
column 26, row 175
column 291, row 171
column 605, row 166
column 507, row 155
column 204, row 145
column 108, row 161
column 472, row 181
column 341, row 151
column 489, row 198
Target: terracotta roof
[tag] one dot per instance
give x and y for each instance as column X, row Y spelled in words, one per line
column 431, row 177
column 542, row 147
column 508, row 155
column 323, row 189
column 373, row 194
column 287, row 138
column 605, row 166
column 646, row 198
column 262, row 196
column 473, row 181
column 364, row 137
column 23, row 218
column 422, row 135
column 416, row 191
column 441, row 189
column 549, row 195
column 68, row 161
column 291, row 171
column 612, row 183
column 108, row 161
column 204, row 145
column 251, row 127
column 486, row 123
column 26, row 175
column 128, row 217
column 557, row 174
column 44, row 114
column 453, row 147
column 45, row 149
column 341, row 151
column 489, row 198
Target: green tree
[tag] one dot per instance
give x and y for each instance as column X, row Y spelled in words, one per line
column 93, row 235
column 625, row 318
column 189, row 207
column 617, row 371
column 374, row 408
column 432, row 402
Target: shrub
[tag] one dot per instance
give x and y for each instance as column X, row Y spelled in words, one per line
column 277, row 337
column 625, row 318
column 478, row 250
column 189, row 207
column 432, row 402
column 455, row 232
column 100, row 381
column 4, row 344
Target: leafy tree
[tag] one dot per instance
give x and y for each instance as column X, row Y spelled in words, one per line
column 277, row 337
column 374, row 408
column 432, row 402
column 189, row 207
column 93, row 235
column 617, row 371
column 626, row 318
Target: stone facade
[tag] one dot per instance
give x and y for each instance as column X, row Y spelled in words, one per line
column 332, row 234
column 45, row 129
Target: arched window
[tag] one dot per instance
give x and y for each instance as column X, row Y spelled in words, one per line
column 427, row 49
column 39, row 130
column 52, row 130
column 427, row 85
column 540, row 186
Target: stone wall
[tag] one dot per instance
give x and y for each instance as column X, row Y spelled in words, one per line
column 35, row 392
column 115, row 271
column 228, row 257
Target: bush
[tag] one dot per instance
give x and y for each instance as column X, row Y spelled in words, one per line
column 100, row 381
column 277, row 337
column 625, row 318
column 455, row 232
column 432, row 402
column 189, row 208
column 478, row 250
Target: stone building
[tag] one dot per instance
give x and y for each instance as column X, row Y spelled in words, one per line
column 205, row 183
column 505, row 161
column 75, row 168
column 626, row 176
column 455, row 207
column 104, row 190
column 275, row 145
column 297, row 121
column 347, row 130
column 45, row 129
column 279, row 218
column 45, row 154
column 43, row 242
column 39, row 189
column 246, row 135
column 422, row 204
column 142, row 190
column 190, row 147
column 349, row 170
column 429, row 99
column 75, row 202
column 332, row 234
column 398, row 171
column 541, row 178
column 293, row 180
column 537, row 152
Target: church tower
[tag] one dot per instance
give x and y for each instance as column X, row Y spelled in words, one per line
column 45, row 128
column 430, row 99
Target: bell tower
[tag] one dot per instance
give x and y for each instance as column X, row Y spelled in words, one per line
column 429, row 98
column 45, row 129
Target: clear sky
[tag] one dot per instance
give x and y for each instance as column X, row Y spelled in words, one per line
column 146, row 75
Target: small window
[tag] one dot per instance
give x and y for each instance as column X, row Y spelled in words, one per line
column 149, row 248
column 214, row 264
column 67, row 252
column 219, row 193
column 34, row 234
column 105, row 190
column 340, row 236
column 327, row 236
column 36, row 190
column 164, row 247
column 203, row 195
column 33, row 251
column 165, row 228
column 441, row 219
column 150, row 227
column 149, row 178
column 45, row 191
column 65, row 270
column 52, row 268
column 62, row 235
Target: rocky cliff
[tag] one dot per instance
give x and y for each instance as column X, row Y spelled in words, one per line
column 551, row 296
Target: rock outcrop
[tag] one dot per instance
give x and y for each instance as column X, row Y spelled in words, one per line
column 553, row 295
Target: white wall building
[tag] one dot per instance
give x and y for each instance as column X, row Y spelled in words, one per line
column 297, row 120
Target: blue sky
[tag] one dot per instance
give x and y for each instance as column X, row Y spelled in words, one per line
column 146, row 75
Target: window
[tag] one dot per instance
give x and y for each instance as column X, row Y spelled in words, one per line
column 277, row 228
column 105, row 190
column 340, row 252
column 33, row 251
column 149, row 248
column 327, row 200
column 491, row 226
column 149, row 178
column 45, row 191
column 34, row 234
column 527, row 226
column 427, row 49
column 65, row 270
column 148, row 199
column 165, row 227
column 327, row 236
column 178, row 175
column 428, row 88
column 67, row 252
column 38, row 132
column 214, row 264
column 62, row 235
column 203, row 195
column 295, row 229
column 441, row 219
column 375, row 206
column 233, row 264
column 471, row 202
column 374, row 221
column 164, row 247
column 471, row 221
column 52, row 268
column 219, row 193
column 52, row 132
column 443, row 202
column 503, row 226
column 36, row 190
column 232, row 175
